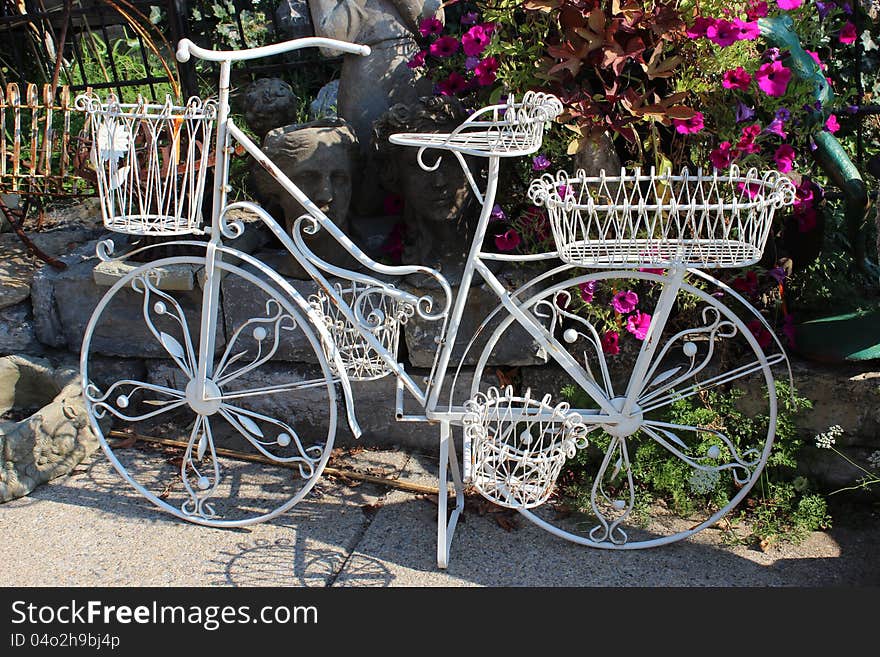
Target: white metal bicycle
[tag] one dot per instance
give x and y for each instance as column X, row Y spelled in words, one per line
column 627, row 234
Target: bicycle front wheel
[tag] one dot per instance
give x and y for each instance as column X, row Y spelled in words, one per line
column 698, row 428
column 256, row 440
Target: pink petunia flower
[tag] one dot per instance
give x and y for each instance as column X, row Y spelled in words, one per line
column 445, row 46
column 751, row 190
column 738, row 78
column 625, row 302
column 773, row 78
column 757, row 10
column 746, row 143
column 722, row 33
column 698, row 29
column 689, row 126
column 611, row 343
column 452, row 85
column 588, row 290
column 722, row 156
column 475, row 40
column 638, row 324
column 507, row 241
column 485, row 71
column 746, row 30
column 429, row 26
column 787, row 5
column 832, row 125
column 848, row 34
column 815, row 57
column 776, row 127
column 418, row 60
column 784, row 157
column 746, row 284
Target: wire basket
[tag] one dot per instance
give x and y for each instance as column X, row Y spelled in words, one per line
column 707, row 220
column 515, row 447
column 382, row 317
column 150, row 161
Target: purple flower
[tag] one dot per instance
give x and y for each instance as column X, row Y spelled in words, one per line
column 771, row 54
column 743, row 112
column 445, row 46
column 776, row 127
column 429, row 26
column 824, row 8
column 497, row 213
column 470, row 18
column 540, row 162
column 470, row 63
column 778, row 274
column 782, row 114
column 588, row 290
column 773, row 78
column 625, row 301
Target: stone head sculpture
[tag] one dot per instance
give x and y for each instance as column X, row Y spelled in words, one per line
column 436, row 203
column 268, row 103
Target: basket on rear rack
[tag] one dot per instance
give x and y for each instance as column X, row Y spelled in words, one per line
column 150, row 161
column 705, row 220
column 383, row 316
column 515, row 447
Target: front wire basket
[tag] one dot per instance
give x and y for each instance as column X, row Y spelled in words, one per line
column 515, row 447
column 706, row 220
column 150, row 161
column 383, row 317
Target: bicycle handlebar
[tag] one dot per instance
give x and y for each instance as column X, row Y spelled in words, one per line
column 186, row 48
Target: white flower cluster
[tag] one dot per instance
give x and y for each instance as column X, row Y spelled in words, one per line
column 874, row 459
column 704, row 481
column 826, row 440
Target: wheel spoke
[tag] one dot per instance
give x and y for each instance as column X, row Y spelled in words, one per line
column 191, row 470
column 182, row 354
column 122, row 394
column 610, row 510
column 293, row 386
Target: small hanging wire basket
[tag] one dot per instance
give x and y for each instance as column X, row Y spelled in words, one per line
column 382, row 317
column 515, row 447
column 706, row 220
column 150, row 161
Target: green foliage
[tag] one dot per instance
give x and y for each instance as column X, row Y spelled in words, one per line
column 780, row 506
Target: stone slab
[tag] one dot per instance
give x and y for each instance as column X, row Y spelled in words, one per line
column 17, row 332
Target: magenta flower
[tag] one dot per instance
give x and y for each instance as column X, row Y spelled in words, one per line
column 540, row 162
column 698, row 29
column 445, row 46
column 787, row 5
column 756, row 10
column 752, row 190
column 722, row 156
column 746, row 30
column 418, row 60
column 747, row 284
column 807, row 220
column 746, row 143
column 489, row 28
column 831, row 124
column 638, row 324
column 475, row 40
column 738, row 78
column 689, row 126
column 815, row 56
column 587, row 289
column 452, row 85
column 773, row 78
column 507, row 241
column 762, row 335
column 848, row 34
column 784, row 157
column 610, row 343
column 429, row 26
column 722, row 33
column 485, row 71
column 625, row 302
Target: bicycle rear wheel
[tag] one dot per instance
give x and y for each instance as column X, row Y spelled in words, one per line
column 249, row 449
column 702, row 426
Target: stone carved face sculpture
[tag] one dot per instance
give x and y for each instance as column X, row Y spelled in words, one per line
column 320, row 158
column 268, row 103
column 436, row 202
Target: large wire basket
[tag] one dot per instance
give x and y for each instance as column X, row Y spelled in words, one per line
column 150, row 161
column 707, row 220
column 515, row 446
column 382, row 317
